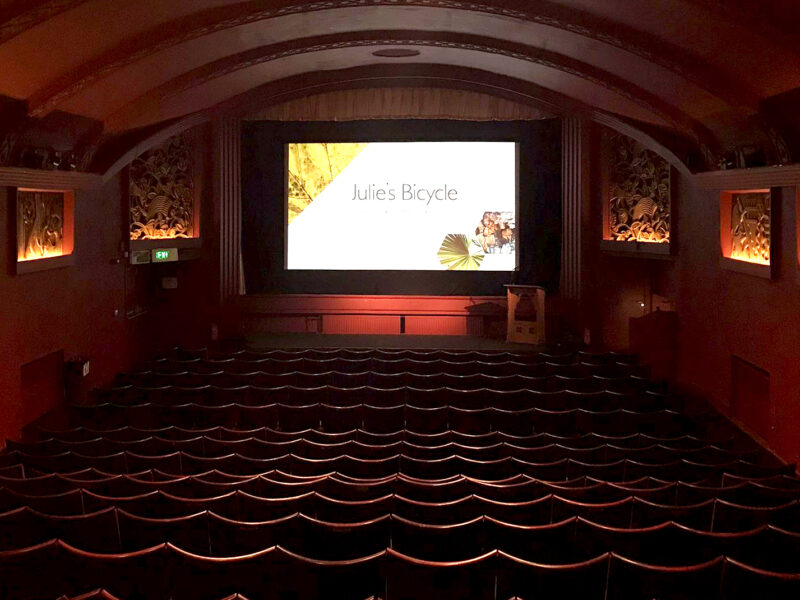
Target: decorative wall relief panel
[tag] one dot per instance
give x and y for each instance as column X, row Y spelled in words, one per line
column 746, row 220
column 161, row 192
column 40, row 224
column 638, row 201
column 750, row 227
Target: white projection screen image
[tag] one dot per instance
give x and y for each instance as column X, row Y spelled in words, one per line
column 406, row 206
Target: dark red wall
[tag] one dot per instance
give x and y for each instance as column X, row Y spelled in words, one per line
column 73, row 308
column 723, row 313
column 69, row 309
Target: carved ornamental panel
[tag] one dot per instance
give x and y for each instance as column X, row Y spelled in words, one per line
column 40, row 224
column 161, row 192
column 639, row 207
column 750, row 227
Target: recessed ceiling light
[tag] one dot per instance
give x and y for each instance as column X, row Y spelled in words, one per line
column 396, row 52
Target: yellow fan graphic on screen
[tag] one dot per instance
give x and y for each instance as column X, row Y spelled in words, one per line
column 460, row 253
column 311, row 169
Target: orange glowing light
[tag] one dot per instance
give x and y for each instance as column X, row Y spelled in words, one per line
column 44, row 224
column 747, row 257
column 45, row 252
column 745, row 236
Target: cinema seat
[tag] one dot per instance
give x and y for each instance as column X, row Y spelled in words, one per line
column 447, row 543
column 259, row 575
column 95, row 532
column 93, row 595
column 332, row 541
column 733, row 517
column 384, row 419
column 551, row 543
column 257, row 509
column 697, row 516
column 64, row 503
column 740, row 582
column 189, row 532
column 68, row 569
column 632, row 580
column 473, row 578
column 525, row 579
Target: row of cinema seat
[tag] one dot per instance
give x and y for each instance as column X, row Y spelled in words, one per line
column 183, row 463
column 250, row 395
column 191, row 478
column 387, row 419
column 710, row 515
column 385, row 381
column 277, row 484
column 235, row 351
column 256, row 448
column 277, row 366
column 568, row 541
column 278, row 573
column 101, row 594
column 351, row 401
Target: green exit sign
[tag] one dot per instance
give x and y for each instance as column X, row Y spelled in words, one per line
column 165, row 255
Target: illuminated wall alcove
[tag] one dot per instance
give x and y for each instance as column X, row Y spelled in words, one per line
column 45, row 229
column 637, row 198
column 163, row 195
column 746, row 224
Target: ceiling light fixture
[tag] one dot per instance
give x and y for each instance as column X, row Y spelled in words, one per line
column 396, row 52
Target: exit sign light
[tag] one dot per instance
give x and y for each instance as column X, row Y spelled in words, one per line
column 165, row 255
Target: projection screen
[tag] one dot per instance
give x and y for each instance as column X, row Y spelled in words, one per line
column 402, row 206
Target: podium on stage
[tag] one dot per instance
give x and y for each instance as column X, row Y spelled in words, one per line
column 525, row 314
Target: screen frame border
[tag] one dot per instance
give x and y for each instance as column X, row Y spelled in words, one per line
column 286, row 145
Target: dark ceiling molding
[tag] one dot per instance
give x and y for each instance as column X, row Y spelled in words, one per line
column 182, row 30
column 22, row 15
column 400, row 75
column 197, row 77
column 461, row 78
column 298, row 86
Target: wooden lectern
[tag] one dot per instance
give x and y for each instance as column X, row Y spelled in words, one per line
column 525, row 314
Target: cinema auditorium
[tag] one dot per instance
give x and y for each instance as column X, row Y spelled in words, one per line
column 399, row 299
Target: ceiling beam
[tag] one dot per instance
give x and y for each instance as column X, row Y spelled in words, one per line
column 405, row 75
column 21, row 15
column 544, row 12
column 402, row 75
column 467, row 42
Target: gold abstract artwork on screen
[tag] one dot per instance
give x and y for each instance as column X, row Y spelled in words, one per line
column 161, row 192
column 750, row 227
column 40, row 224
column 458, row 252
column 639, row 193
column 312, row 167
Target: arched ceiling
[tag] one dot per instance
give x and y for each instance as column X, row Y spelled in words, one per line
column 701, row 71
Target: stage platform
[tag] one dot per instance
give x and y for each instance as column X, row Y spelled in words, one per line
column 262, row 341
